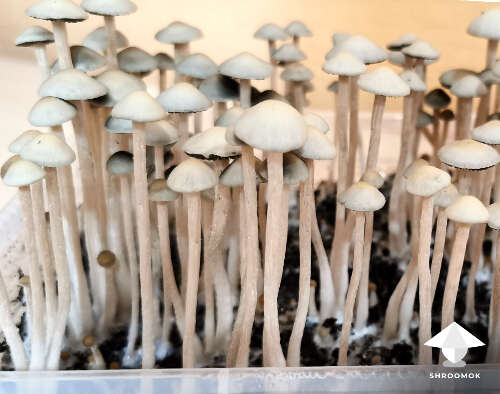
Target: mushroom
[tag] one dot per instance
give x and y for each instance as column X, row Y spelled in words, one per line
column 360, row 198
column 136, row 61
column 489, row 78
column 285, row 55
column 446, row 116
column 296, row 30
column 493, row 354
column 229, row 117
column 164, row 63
column 486, row 26
column 89, row 341
column 38, row 38
column 141, row 108
column 83, row 59
column 297, row 75
column 191, row 177
column 421, row 51
column 438, row 100
column 489, row 134
column 98, row 40
column 221, row 90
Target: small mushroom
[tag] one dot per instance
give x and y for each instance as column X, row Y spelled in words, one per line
column 38, row 38
column 221, row 90
column 297, row 75
column 296, row 30
column 164, row 63
column 136, row 61
column 98, row 40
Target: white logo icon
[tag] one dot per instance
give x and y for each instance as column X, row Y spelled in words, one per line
column 454, row 341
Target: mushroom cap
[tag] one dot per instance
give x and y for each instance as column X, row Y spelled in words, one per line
column 165, row 61
column 161, row 133
column 138, row 106
column 51, row 111
column 373, row 178
column 494, row 216
column 220, row 88
column 246, row 66
column 57, row 10
column 396, row 58
column 488, row 133
column 26, row 137
column 178, row 33
column 383, row 82
column 84, row 59
column 297, row 29
column 197, row 66
column 231, row 138
column 334, row 87
column 272, row 126
column 17, row 172
column 427, row 181
column 344, row 64
column 273, row 95
column 98, row 39
column 120, row 163
column 446, row 196
column 297, row 73
column 402, row 42
column 109, row 7
column 232, row 175
column 294, row 169
column 34, row 35
column 119, row 85
column 316, row 121
column 160, row 192
column 271, row 32
column 362, row 48
column 72, row 84
column 486, row 25
column 317, row 146
column 447, row 115
column 424, row 119
column 48, row 150
column 191, row 175
column 183, row 98
column 229, row 117
column 339, row 37
column 413, row 80
column 488, row 77
column 468, row 87
column 421, row 49
column 118, row 126
column 413, row 167
column 288, row 53
column 136, row 60
column 469, row 155
column 449, row 77
column 210, row 144
column 362, row 197
column 437, row 99
column 467, row 210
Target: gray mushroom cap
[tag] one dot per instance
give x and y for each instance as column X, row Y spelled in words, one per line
column 136, row 60
column 57, row 10
column 178, row 33
column 449, row 77
column 362, row 197
column 246, row 66
column 385, row 82
column 109, row 7
column 229, row 117
column 118, row 126
column 120, row 163
column 396, row 58
column 220, row 88
column 197, row 65
column 17, row 172
column 333, row 87
column 469, row 155
column 402, row 42
column 71, row 84
column 160, row 192
column 192, row 175
column 297, row 73
column 488, row 133
column 138, row 106
column 421, row 49
column 270, row 32
column 161, row 133
column 344, row 63
column 118, row 84
column 288, row 53
column 272, row 95
column 98, row 39
column 297, row 29
column 165, row 61
column 294, row 169
column 51, row 111
column 232, row 175
column 437, row 99
column 84, row 59
column 48, row 150
column 210, row 144
column 362, row 48
column 424, row 119
column 447, row 115
column 183, row 98
column 18, row 144
column 469, row 86
column 339, row 37
column 34, row 35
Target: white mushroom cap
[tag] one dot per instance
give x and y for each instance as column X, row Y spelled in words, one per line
column 161, row 133
column 468, row 155
column 120, row 163
column 231, row 138
column 344, row 64
column 210, row 144
column 413, row 80
column 468, row 86
column 48, row 150
column 362, row 197
column 339, row 37
column 467, row 210
column 270, row 32
column 98, row 39
column 402, row 42
column 288, row 53
column 294, row 169
column 160, row 192
column 427, row 181
column 413, row 167
column 317, row 121
column 365, row 50
column 494, row 216
column 421, row 49
column 383, row 82
column 246, row 66
column 297, row 29
column 118, row 126
column 486, row 25
column 272, row 126
column 54, row 10
column 220, row 88
column 317, row 146
column 191, row 175
column 136, row 60
column 165, row 61
column 373, row 178
column 17, row 172
column 229, row 117
column 84, row 59
column 178, row 33
column 119, row 84
column 449, row 77
column 488, row 133
column 446, row 196
column 51, row 111
column 396, row 58
column 197, row 66
column 232, row 175
column 297, row 73
column 72, row 84
column 109, row 7
column 183, row 98
column 18, row 144
column 34, row 35
column 138, row 106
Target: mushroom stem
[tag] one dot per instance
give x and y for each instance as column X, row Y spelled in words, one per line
column 353, row 128
column 483, row 107
column 464, row 118
column 491, row 53
column 61, row 41
column 437, row 254
column 162, row 81
column 272, row 47
column 181, row 51
column 312, row 310
column 493, row 354
column 245, row 93
column 376, row 132
column 353, row 286
column 298, row 96
column 42, row 61
column 218, row 109
column 208, row 282
column 262, row 214
column 363, row 304
column 109, row 22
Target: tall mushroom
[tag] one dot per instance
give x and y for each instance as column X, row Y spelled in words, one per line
column 297, row 75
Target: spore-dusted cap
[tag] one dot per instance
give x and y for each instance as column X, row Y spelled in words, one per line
column 84, row 59
column 57, row 10
column 467, row 210
column 136, row 60
column 468, row 155
column 437, row 99
column 271, row 32
column 138, row 106
column 192, row 175
column 364, row 49
column 402, row 42
column 211, row 144
column 449, row 77
column 427, row 181
column 109, row 7
column 317, row 146
column 486, row 25
column 17, row 172
column 220, row 88
column 120, row 163
column 272, row 126
column 48, row 150
column 72, row 84
column 446, row 196
column 160, row 192
column 26, row 137
column 316, row 121
column 468, row 87
column 183, row 98
column 494, row 216
column 119, row 84
column 297, row 73
column 373, row 178
column 421, row 49
column 288, row 53
column 294, row 169
column 165, row 61
column 383, row 82
column 197, row 66
column 229, row 117
column 362, row 197
column 34, row 35
column 98, row 39
column 246, row 66
column 413, row 80
column 161, row 133
column 178, row 33
column 51, row 111
column 344, row 64
column 488, row 133
column 297, row 29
